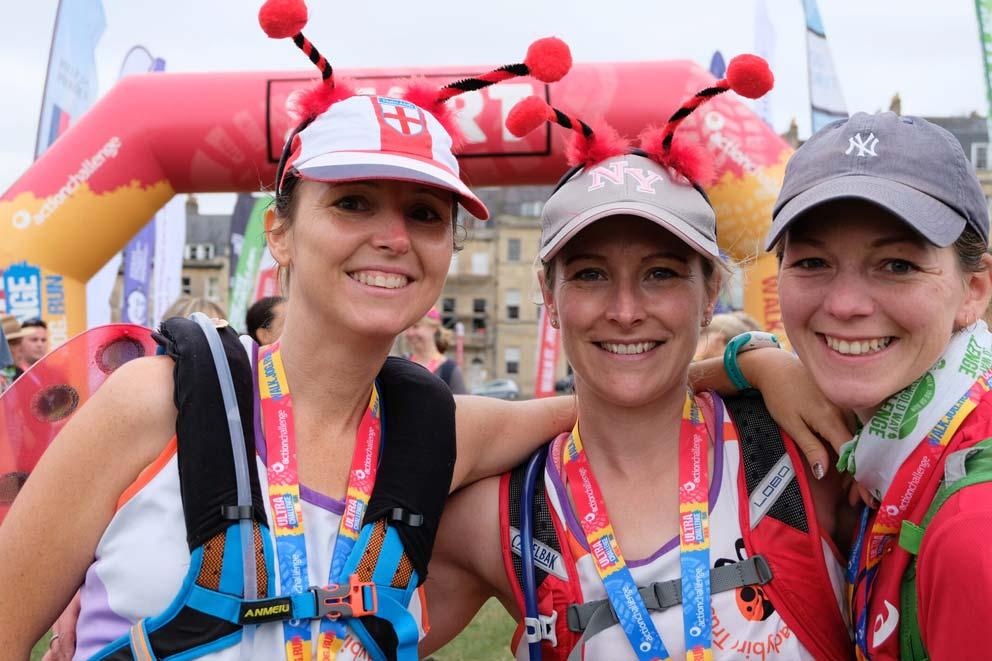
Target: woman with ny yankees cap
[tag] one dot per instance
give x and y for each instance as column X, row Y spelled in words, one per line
column 284, row 503
column 882, row 232
column 667, row 524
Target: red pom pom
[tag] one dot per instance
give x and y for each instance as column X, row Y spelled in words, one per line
column 604, row 143
column 750, row 76
column 283, row 18
column 312, row 101
column 688, row 158
column 527, row 116
column 423, row 93
column 548, row 59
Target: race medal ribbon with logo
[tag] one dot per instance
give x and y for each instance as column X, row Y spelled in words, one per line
column 287, row 510
column 694, row 543
column 895, row 460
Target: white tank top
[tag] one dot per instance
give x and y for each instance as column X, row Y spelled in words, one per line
column 745, row 624
column 142, row 559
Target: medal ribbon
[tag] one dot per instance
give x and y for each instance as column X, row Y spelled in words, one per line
column 694, row 543
column 287, row 509
column 901, row 498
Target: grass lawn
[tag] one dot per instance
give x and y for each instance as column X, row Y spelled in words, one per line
column 486, row 639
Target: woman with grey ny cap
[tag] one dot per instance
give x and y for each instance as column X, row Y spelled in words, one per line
column 882, row 230
column 666, row 524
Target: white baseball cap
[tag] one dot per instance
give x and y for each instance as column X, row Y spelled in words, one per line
column 377, row 137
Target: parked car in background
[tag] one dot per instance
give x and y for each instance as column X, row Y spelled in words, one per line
column 498, row 388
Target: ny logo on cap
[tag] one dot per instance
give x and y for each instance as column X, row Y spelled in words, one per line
column 405, row 117
column 617, row 172
column 865, row 146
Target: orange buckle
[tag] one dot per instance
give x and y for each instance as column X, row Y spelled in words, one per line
column 347, row 600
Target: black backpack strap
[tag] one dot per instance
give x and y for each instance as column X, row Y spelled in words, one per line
column 206, row 475
column 768, row 471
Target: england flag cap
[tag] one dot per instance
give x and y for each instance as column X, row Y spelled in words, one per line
column 377, row 137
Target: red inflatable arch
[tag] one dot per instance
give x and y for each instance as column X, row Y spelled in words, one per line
column 157, row 135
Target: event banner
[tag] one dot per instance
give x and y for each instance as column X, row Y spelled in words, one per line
column 170, row 248
column 70, row 86
column 138, row 276
column 825, row 99
column 239, row 222
column 140, row 251
column 246, row 273
column 984, row 10
column 547, row 355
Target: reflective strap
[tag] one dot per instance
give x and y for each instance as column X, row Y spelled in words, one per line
column 767, row 492
column 659, row 596
column 141, row 647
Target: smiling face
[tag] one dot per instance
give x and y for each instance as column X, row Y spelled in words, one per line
column 368, row 256
column 868, row 304
column 630, row 298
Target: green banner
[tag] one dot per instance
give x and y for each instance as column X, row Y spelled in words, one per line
column 984, row 10
column 246, row 273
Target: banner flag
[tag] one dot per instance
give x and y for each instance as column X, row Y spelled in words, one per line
column 984, row 10
column 825, row 99
column 70, row 84
column 547, row 356
column 246, row 273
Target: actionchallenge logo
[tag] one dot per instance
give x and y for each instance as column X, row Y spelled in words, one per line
column 23, row 219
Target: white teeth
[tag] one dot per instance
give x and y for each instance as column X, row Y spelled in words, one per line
column 391, row 281
column 628, row 349
column 857, row 347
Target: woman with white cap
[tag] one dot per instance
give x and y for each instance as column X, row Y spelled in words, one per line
column 362, row 228
column 667, row 524
column 882, row 232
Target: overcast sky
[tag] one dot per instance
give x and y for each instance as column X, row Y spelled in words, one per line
column 927, row 51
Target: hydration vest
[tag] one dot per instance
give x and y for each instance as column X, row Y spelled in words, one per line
column 781, row 536
column 226, row 525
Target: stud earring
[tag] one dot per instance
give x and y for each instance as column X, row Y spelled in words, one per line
column 554, row 322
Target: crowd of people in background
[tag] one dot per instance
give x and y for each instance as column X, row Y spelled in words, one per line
column 21, row 346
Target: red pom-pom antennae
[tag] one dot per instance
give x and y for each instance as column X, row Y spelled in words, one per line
column 588, row 146
column 547, row 60
column 282, row 19
column 750, row 76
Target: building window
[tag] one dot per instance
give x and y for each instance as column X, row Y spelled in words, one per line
column 532, row 209
column 479, row 326
column 187, row 286
column 479, row 305
column 513, row 250
column 198, row 251
column 980, row 155
column 511, row 356
column 512, row 303
column 480, row 263
column 212, row 289
column 448, row 312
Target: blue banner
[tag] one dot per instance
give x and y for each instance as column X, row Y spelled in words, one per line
column 825, row 99
column 70, row 85
column 137, row 276
column 718, row 67
column 22, row 288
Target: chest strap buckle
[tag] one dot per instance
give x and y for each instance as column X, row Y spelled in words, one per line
column 352, row 599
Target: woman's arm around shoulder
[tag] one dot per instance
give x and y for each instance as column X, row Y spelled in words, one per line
column 495, row 435
column 50, row 535
column 467, row 564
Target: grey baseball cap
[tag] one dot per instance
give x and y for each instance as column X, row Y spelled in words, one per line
column 628, row 185
column 906, row 165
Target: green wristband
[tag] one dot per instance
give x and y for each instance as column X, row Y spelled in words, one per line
column 740, row 344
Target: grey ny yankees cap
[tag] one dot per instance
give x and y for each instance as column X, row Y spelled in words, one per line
column 628, row 185
column 906, row 165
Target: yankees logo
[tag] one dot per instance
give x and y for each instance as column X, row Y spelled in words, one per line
column 865, row 146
